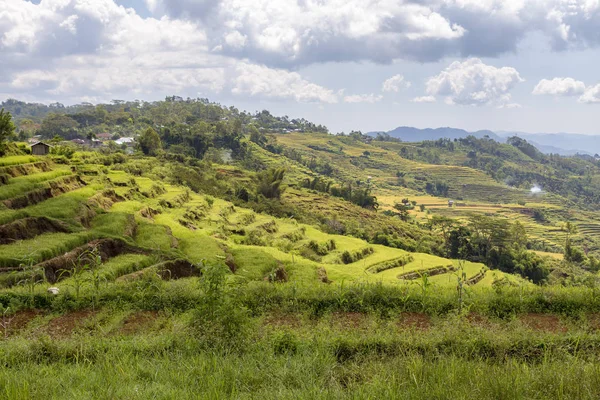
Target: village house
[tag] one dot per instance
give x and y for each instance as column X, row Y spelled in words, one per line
column 40, row 149
column 129, row 141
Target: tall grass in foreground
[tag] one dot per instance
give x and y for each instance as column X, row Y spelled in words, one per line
column 125, row 372
column 209, row 341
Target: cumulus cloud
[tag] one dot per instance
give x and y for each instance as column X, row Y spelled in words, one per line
column 73, row 49
column 292, row 33
column 363, row 98
column 424, row 99
column 472, row 82
column 591, row 95
column 261, row 81
column 79, row 48
column 559, row 87
column 113, row 79
column 395, row 84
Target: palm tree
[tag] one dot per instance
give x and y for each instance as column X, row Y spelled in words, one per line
column 269, row 183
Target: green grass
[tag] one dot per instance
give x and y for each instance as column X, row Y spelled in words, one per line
column 42, row 247
column 153, row 236
column 293, row 356
column 66, row 206
column 20, row 185
column 114, row 224
column 15, row 160
column 308, row 375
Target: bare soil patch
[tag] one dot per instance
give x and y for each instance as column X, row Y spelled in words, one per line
column 17, row 322
column 138, row 322
column 543, row 322
column 414, row 321
column 281, row 320
column 350, row 320
column 65, row 325
column 168, row 270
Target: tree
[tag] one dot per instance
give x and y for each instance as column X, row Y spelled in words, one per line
column 7, row 129
column 257, row 136
column 59, row 125
column 402, row 211
column 268, row 183
column 519, row 236
column 572, row 254
column 149, row 142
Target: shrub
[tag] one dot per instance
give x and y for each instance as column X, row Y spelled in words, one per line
column 351, row 257
column 269, row 183
column 398, row 262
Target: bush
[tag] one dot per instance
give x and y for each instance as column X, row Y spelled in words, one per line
column 220, row 319
column 352, row 257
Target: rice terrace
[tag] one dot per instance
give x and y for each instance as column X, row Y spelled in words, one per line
column 299, row 199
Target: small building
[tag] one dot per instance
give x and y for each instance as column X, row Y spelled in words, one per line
column 450, row 203
column 40, row 149
column 129, row 141
column 104, row 136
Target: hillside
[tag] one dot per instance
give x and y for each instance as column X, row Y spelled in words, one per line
column 266, row 260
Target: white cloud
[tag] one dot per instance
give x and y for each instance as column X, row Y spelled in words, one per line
column 363, row 98
column 424, row 99
column 559, row 87
column 112, row 79
column 261, row 81
column 96, row 48
column 472, row 82
column 591, row 95
column 395, row 84
column 75, row 49
column 293, row 32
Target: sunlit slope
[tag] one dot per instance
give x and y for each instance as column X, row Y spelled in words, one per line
column 153, row 222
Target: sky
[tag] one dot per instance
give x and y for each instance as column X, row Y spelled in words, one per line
column 370, row 65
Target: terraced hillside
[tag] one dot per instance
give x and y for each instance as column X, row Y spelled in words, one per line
column 135, row 225
column 392, row 177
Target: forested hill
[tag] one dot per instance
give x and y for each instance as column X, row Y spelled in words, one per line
column 126, row 118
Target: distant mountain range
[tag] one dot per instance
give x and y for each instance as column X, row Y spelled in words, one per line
column 565, row 144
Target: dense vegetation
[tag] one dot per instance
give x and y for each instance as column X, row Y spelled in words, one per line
column 227, row 254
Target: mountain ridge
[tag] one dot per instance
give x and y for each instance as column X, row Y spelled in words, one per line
column 565, row 144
